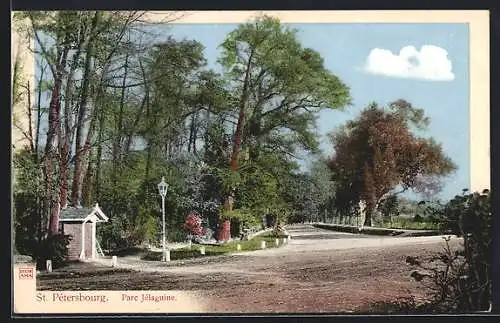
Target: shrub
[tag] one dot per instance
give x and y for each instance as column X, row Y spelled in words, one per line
column 54, row 248
column 390, row 206
column 461, row 280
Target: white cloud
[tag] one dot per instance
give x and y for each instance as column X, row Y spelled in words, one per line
column 430, row 63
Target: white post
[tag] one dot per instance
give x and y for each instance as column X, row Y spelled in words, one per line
column 284, row 240
column 166, row 255
column 238, row 247
column 94, row 239
column 82, row 255
column 48, row 266
column 289, row 237
column 114, row 261
column 202, row 250
column 262, row 245
column 277, row 242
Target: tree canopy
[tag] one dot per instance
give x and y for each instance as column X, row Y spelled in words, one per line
column 377, row 155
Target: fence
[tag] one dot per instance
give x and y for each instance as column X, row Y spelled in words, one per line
column 410, row 219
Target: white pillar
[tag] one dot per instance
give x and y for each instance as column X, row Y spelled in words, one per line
column 114, row 261
column 238, row 247
column 284, row 240
column 82, row 254
column 202, row 250
column 277, row 242
column 94, row 237
column 166, row 255
column 262, row 245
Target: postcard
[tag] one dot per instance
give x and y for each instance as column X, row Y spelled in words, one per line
column 193, row 162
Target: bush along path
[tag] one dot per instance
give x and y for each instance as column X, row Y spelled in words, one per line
column 377, row 231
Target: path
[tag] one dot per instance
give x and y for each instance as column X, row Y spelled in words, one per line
column 317, row 271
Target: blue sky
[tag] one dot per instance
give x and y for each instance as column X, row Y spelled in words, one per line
column 345, row 49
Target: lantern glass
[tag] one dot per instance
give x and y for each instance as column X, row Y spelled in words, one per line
column 162, row 187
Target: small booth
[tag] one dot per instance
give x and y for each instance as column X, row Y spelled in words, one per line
column 81, row 224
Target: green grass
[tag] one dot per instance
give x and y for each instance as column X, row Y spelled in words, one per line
column 227, row 248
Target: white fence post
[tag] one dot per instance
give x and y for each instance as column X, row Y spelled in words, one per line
column 202, row 250
column 238, row 247
column 114, row 261
column 48, row 266
column 277, row 242
column 262, row 245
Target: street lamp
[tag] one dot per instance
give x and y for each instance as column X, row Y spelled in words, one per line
column 162, row 188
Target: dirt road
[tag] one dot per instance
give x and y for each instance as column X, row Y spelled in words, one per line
column 317, row 271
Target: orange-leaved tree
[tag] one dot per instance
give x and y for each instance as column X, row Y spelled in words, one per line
column 379, row 155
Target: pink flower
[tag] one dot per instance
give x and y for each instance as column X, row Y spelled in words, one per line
column 193, row 224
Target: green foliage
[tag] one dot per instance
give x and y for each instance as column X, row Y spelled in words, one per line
column 280, row 100
column 242, row 216
column 466, row 213
column 389, row 206
column 310, row 194
column 29, row 223
column 461, row 279
column 54, row 248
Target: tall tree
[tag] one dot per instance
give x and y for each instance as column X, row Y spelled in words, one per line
column 281, row 86
column 377, row 155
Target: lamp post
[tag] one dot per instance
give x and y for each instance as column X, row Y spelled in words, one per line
column 162, row 188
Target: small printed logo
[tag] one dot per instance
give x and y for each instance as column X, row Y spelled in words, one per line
column 25, row 273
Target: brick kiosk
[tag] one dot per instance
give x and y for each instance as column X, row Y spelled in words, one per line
column 81, row 223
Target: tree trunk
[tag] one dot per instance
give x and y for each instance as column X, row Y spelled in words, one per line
column 117, row 143
column 65, row 145
column 229, row 201
column 80, row 151
column 368, row 217
column 148, row 161
column 51, row 198
column 88, row 183
column 137, row 119
column 67, row 128
column 191, row 133
column 99, row 154
column 30, row 118
column 241, row 118
column 38, row 115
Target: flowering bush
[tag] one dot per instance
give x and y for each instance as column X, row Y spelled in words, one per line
column 193, row 224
